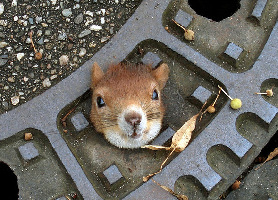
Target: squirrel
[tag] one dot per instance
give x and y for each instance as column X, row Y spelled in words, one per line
column 126, row 103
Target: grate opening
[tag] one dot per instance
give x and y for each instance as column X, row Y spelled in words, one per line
column 216, row 10
column 8, row 185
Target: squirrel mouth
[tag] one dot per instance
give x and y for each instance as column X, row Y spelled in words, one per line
column 135, row 135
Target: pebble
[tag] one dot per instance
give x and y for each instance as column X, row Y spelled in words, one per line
column 104, row 39
column 82, row 52
column 31, row 75
column 47, row 32
column 62, row 36
column 53, row 2
column 89, row 13
column 3, row 59
column 38, row 19
column 1, row 8
column 11, row 79
column 67, row 12
column 46, row 82
column 31, row 21
column 19, row 56
column 5, row 105
column 40, row 42
column 3, row 44
column 53, row 77
column 64, row 59
column 95, row 28
column 84, row 33
column 28, row 41
column 14, row 3
column 102, row 20
column 15, row 100
column 78, row 19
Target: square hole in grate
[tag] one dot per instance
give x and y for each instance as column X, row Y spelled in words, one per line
column 112, row 174
column 202, row 94
column 233, row 51
column 28, row 151
column 79, row 121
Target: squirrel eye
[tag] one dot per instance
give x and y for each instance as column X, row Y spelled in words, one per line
column 100, row 102
column 155, row 95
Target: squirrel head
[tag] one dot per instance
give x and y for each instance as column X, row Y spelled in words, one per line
column 127, row 104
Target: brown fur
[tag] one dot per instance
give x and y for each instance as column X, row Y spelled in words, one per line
column 124, row 85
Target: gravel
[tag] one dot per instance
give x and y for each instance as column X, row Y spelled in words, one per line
column 73, row 30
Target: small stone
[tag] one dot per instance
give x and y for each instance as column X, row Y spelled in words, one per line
column 46, row 83
column 38, row 19
column 67, row 12
column 78, row 19
column 1, row 8
column 84, row 33
column 39, row 33
column 40, row 42
column 53, row 77
column 47, row 32
column 104, row 39
column 64, row 59
column 102, row 11
column 95, row 28
column 28, row 40
column 92, row 45
column 15, row 100
column 28, row 136
column 19, row 56
column 5, row 105
column 53, row 2
column 25, row 79
column 82, row 52
column 11, row 79
column 62, row 36
column 44, row 25
column 53, row 71
column 3, row 44
column 102, row 20
column 14, row 3
column 89, row 13
column 15, row 18
column 3, row 59
column 31, row 21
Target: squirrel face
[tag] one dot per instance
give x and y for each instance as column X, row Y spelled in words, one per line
column 126, row 103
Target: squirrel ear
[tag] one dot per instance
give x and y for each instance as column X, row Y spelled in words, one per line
column 96, row 75
column 161, row 74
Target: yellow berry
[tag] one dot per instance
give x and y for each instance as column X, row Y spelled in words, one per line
column 236, row 103
column 211, row 109
column 38, row 55
column 189, row 35
column 269, row 93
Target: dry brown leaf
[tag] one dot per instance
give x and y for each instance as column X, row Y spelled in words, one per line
column 273, row 154
column 182, row 137
column 179, row 196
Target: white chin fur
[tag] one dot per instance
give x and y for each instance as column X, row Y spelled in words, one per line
column 123, row 141
column 128, row 129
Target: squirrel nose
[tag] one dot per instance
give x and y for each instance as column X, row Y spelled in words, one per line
column 133, row 118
